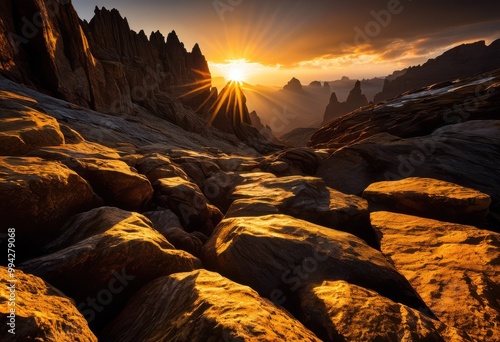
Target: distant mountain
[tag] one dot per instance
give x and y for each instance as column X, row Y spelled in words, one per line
column 354, row 101
column 284, row 110
column 294, row 85
column 461, row 61
column 369, row 87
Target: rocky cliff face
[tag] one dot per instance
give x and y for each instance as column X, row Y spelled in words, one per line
column 102, row 65
column 461, row 61
column 140, row 69
column 354, row 101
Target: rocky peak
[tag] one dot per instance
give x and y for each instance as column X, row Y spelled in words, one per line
column 294, row 85
column 354, row 101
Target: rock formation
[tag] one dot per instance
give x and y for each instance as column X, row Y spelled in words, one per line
column 354, row 101
column 461, row 61
column 101, row 65
column 293, row 85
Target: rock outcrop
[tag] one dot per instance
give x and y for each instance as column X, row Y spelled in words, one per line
column 354, row 101
column 426, row 197
column 453, row 267
column 189, row 307
column 461, row 61
column 42, row 313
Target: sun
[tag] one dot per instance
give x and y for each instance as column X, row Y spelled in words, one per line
column 236, row 70
column 235, row 74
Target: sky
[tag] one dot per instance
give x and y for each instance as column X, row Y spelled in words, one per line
column 268, row 42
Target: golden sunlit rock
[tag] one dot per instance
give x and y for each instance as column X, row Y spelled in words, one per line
column 203, row 306
column 121, row 249
column 453, row 267
column 429, row 198
column 23, row 128
column 277, row 255
column 351, row 313
column 306, row 198
column 117, row 183
column 42, row 312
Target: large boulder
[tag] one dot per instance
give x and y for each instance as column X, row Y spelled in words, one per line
column 306, row 198
column 42, row 313
column 23, row 127
column 339, row 311
column 427, row 197
column 466, row 154
column 191, row 307
column 116, row 182
column 94, row 222
column 277, row 255
column 186, row 200
column 453, row 267
column 103, row 271
column 37, row 196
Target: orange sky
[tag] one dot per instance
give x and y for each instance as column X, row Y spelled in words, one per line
column 314, row 39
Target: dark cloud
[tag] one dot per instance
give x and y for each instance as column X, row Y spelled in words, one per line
column 290, row 31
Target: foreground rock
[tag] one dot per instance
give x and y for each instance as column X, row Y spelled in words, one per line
column 277, row 255
column 107, row 268
column 98, row 221
column 37, row 196
column 186, row 200
column 117, row 183
column 453, row 267
column 430, row 198
column 466, row 154
column 42, row 313
column 23, row 128
column 203, row 306
column 306, row 198
column 346, row 312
